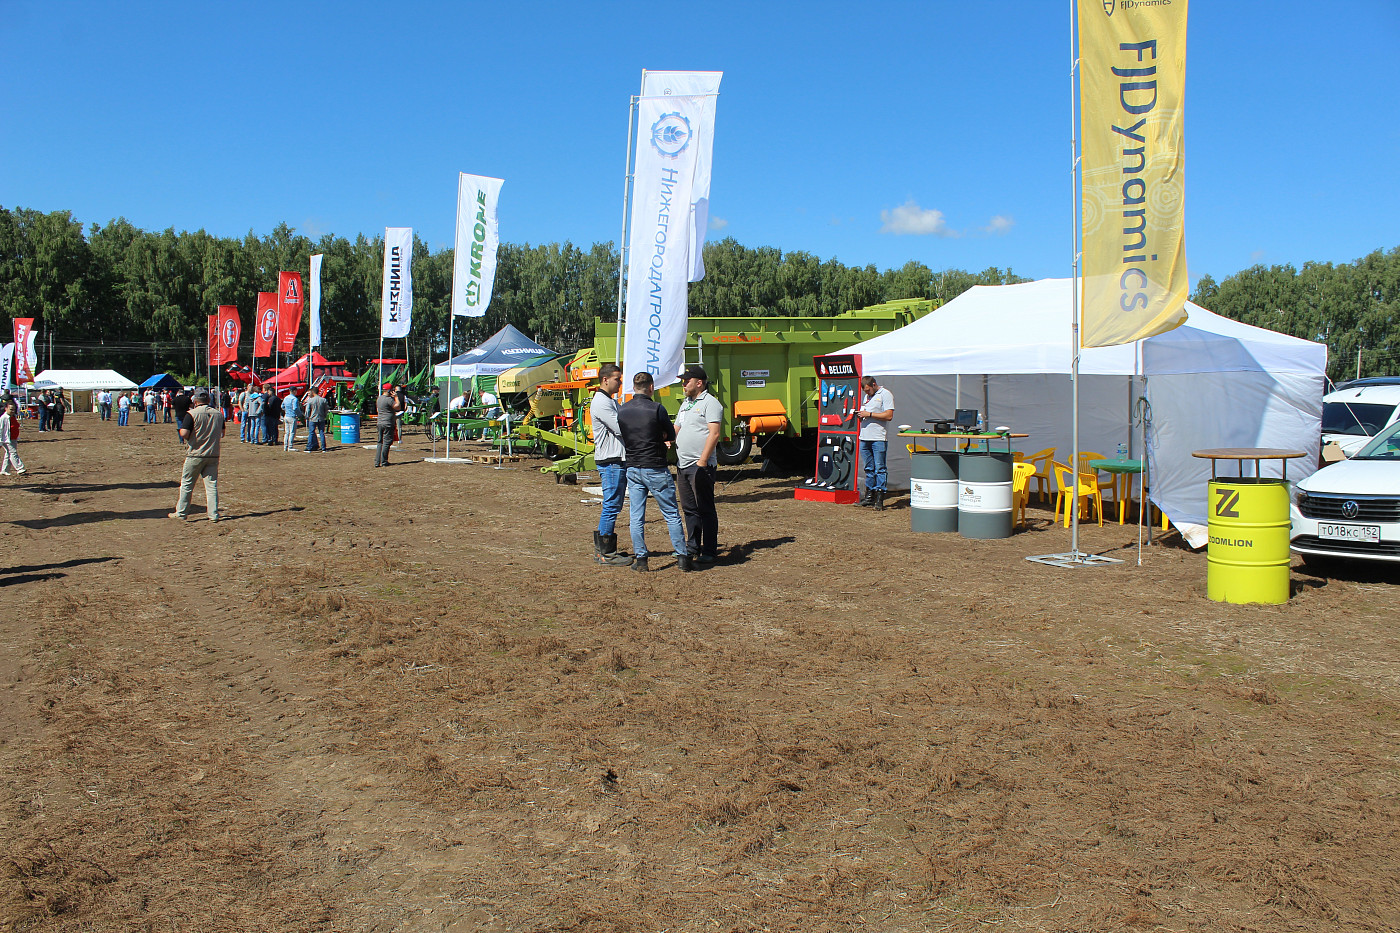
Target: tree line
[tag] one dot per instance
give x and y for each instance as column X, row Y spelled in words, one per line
column 117, row 296
column 1352, row 307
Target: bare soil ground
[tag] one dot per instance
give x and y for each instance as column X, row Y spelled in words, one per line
column 406, row 699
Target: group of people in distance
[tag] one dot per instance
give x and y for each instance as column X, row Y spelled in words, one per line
column 631, row 441
column 263, row 413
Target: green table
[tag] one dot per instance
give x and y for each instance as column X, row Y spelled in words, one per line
column 1123, row 471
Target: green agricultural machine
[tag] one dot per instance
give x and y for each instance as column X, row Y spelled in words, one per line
column 760, row 369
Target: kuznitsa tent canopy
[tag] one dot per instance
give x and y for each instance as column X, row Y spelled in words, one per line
column 505, row 349
column 1005, row 350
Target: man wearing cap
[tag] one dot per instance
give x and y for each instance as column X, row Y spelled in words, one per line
column 202, row 429
column 698, row 425
column 386, row 410
column 646, row 433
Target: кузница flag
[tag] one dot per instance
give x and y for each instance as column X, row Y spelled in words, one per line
column 396, row 298
column 1132, row 77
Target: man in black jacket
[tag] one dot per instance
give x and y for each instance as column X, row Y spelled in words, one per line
column 646, row 434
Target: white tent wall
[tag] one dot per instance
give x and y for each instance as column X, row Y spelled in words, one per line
column 1034, row 404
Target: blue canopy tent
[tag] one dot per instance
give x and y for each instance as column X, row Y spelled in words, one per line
column 161, row 381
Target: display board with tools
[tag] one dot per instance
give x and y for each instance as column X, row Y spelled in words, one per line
column 835, row 473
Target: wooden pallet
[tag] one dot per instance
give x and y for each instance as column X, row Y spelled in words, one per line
column 496, row 458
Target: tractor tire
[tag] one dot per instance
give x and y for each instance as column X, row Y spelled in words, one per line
column 735, row 450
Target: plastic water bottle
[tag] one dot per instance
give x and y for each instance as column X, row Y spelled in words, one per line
column 1122, row 451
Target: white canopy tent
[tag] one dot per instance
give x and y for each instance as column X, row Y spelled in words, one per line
column 86, row 379
column 1212, row 382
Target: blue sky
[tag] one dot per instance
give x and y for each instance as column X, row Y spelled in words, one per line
column 838, row 123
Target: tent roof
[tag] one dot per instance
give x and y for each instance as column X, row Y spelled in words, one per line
column 296, row 374
column 161, row 381
column 505, row 349
column 1025, row 328
column 86, row 378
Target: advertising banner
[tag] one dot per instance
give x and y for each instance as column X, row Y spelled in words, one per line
column 265, row 325
column 1132, row 78
column 474, row 258
column 229, row 330
column 7, row 356
column 657, row 263
column 396, row 299
column 705, row 85
column 314, row 289
column 289, row 305
column 25, row 360
column 213, row 353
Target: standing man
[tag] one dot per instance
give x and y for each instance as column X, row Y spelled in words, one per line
column 317, row 416
column 253, row 415
column 698, row 424
column 165, row 412
column 150, row 402
column 876, row 412
column 646, row 433
column 291, row 409
column 9, row 438
column 386, row 410
column 611, row 457
column 45, row 406
column 202, row 429
column 270, row 416
column 123, row 409
column 104, row 404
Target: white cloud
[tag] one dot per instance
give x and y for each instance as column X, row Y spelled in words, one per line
column 718, row 223
column 910, row 218
column 999, row 225
column 1258, row 255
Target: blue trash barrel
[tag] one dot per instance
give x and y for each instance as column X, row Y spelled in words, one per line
column 349, row 427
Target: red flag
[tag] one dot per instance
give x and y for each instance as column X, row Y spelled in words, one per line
column 24, row 327
column 214, row 353
column 288, row 309
column 229, row 330
column 265, row 336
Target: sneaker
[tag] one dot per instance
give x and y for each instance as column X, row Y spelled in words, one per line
column 177, row 516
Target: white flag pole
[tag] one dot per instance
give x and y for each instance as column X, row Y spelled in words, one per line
column 622, row 251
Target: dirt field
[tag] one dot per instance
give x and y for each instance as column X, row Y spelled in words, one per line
column 406, row 699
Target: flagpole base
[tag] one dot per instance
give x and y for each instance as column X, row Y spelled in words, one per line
column 1074, row 559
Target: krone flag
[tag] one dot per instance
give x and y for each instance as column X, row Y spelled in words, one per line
column 396, row 300
column 265, row 325
column 314, row 290
column 289, row 307
column 657, row 262
column 25, row 359
column 1132, row 76
column 474, row 255
column 703, row 84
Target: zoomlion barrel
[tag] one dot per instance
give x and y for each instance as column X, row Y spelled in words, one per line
column 984, row 495
column 1248, row 555
column 933, row 491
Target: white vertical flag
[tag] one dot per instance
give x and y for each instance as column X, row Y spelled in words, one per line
column 7, row 353
column 315, row 288
column 705, row 85
column 396, row 300
column 658, row 259
column 474, row 254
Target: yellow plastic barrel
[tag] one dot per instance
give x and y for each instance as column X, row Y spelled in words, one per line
column 1248, row 555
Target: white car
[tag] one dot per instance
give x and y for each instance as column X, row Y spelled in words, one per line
column 1351, row 508
column 1353, row 414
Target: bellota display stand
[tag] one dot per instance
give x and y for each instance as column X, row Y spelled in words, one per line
column 838, row 445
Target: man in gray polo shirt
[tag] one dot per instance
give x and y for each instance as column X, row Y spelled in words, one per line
column 202, row 429
column 698, row 424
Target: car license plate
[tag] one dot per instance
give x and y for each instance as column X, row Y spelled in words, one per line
column 1336, row 531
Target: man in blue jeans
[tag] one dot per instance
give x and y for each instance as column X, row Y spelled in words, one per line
column 876, row 412
column 611, row 457
column 646, row 434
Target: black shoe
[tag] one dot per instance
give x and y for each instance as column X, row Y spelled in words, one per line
column 640, row 564
column 866, row 498
column 683, row 561
column 705, row 558
column 879, row 500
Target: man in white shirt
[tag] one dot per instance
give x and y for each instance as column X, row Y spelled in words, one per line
column 876, row 412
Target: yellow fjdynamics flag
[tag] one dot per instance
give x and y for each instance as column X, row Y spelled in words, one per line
column 1132, row 77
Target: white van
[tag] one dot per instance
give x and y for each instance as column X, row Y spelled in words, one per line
column 1357, row 412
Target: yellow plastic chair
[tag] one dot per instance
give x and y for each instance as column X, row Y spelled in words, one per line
column 1020, row 491
column 915, row 448
column 1043, row 479
column 1088, row 490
